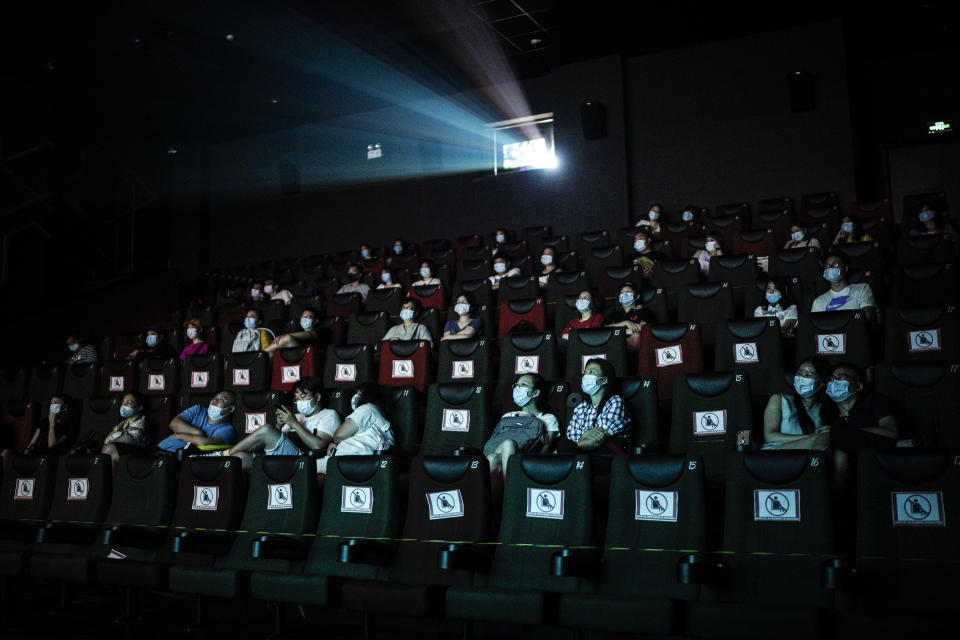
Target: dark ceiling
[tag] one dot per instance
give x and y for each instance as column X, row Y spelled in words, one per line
column 221, row 69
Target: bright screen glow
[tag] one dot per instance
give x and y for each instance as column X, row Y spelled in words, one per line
column 529, row 154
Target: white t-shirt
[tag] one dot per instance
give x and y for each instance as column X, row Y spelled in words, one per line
column 324, row 421
column 426, row 281
column 373, row 433
column 548, row 419
column 776, row 311
column 850, row 298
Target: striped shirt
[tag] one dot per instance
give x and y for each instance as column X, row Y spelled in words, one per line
column 83, row 355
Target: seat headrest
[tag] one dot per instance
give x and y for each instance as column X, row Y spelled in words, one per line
column 383, row 294
column 455, row 392
column 404, row 348
column 593, row 236
column 630, row 386
column 26, row 465
column 791, row 255
column 656, row 470
column 710, row 384
column 668, row 332
column 463, row 348
column 604, row 252
column 674, row 266
column 566, row 277
column 776, row 467
column 358, row 468
column 920, row 316
column 349, row 351
column 620, row 272
column 246, row 358
column 747, row 328
column 293, row 355
column 345, row 298
column 597, row 337
column 856, row 249
column 522, row 305
column 527, row 341
column 254, row 399
column 923, row 271
column 202, row 361
column 280, row 468
column 476, row 264
column 426, row 290
column 830, row 320
column 918, row 374
column 141, row 465
column 102, row 404
column 705, row 290
column 80, row 465
column 516, row 282
column 446, row 469
column 927, row 241
column 547, row 469
column 208, row 469
column 913, row 466
column 472, row 285
column 729, row 262
column 755, row 235
column 647, row 295
column 367, row 318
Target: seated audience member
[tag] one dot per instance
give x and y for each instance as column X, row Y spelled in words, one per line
column 501, row 270
column 842, row 295
column 428, row 274
column 196, row 345
column 306, row 335
column 80, row 353
column 466, row 325
column 690, row 217
column 131, row 431
column 652, row 220
column 408, row 329
column 600, row 423
column 366, row 431
column 928, row 222
column 801, row 418
column 629, row 312
column 386, row 280
column 777, row 304
column 799, row 239
column 547, row 265
column 644, row 256
column 274, row 291
column 353, row 284
column 201, row 425
column 712, row 246
column 589, row 318
column 56, row 431
column 255, row 293
column 370, row 261
column 400, row 248
column 252, row 337
column 864, row 420
column 531, row 429
column 850, row 232
column 499, row 237
column 153, row 346
column 313, row 425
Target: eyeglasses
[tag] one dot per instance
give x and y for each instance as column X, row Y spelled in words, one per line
column 842, row 377
column 525, row 386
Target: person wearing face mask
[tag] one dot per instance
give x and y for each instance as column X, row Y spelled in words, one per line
column 689, row 217
column 310, row 428
column 80, row 353
column 499, row 237
column 643, row 254
column 154, row 346
column 799, row 239
column 850, row 232
column 465, row 326
column 365, row 432
column 777, row 304
column 386, row 280
column 652, row 220
column 252, row 337
column 842, row 295
column 428, row 274
column 56, row 431
column 547, row 265
column 408, row 329
column 307, row 334
column 589, row 318
column 928, row 222
column 629, row 311
column 800, row 418
column 200, row 425
column 501, row 270
column 131, row 431
column 864, row 420
column 529, row 429
column 255, row 293
column 353, row 284
column 600, row 424
column 712, row 246
column 195, row 343
column 274, row 291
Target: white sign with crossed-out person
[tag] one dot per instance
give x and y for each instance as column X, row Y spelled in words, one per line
column 356, row 499
column 545, row 503
column 445, row 504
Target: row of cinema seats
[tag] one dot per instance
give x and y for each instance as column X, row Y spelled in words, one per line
column 632, row 554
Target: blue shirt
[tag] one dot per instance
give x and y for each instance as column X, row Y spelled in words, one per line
column 614, row 419
column 197, row 416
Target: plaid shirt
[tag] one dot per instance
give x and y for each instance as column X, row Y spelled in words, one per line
column 613, row 419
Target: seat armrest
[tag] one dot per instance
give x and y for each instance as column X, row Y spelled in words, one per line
column 128, row 536
column 362, row 551
column 700, row 569
column 280, row 547
column 576, row 562
column 837, row 573
column 67, row 532
column 467, row 451
column 470, row 557
column 212, row 542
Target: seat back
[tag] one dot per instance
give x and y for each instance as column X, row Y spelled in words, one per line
column 458, row 415
column 529, row 353
column 674, row 276
column 469, row 360
column 84, row 489
column 140, row 475
column 159, row 376
column 518, row 288
column 202, row 374
column 210, row 494
column 708, row 304
column 926, row 400
column 45, row 380
column 925, row 284
column 752, row 347
column 802, row 263
column 665, row 351
column 343, row 305
column 429, row 295
column 609, row 343
column 529, row 313
column 28, row 486
column 777, row 222
column 387, row 300
column 922, row 334
column 81, row 380
column 406, row 363
column 934, row 247
column 13, row 384
column 254, row 409
column 18, row 423
column 347, row 366
column 640, row 396
column 247, row 371
column 291, row 365
column 99, row 416
column 838, row 336
column 368, row 327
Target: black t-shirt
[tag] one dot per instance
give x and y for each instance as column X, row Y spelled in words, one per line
column 848, row 434
column 633, row 314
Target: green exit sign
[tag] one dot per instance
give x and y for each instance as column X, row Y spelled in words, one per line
column 939, row 127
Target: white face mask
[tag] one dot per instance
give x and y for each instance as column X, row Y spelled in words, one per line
column 654, row 215
column 55, row 408
column 462, row 309
column 797, row 236
column 687, row 216
column 499, row 267
column 926, row 215
column 546, row 259
column 847, row 227
column 151, row 340
column 406, row 315
column 640, row 245
column 710, row 246
column 192, row 333
column 306, row 323
column 268, row 288
column 249, row 323
column 501, row 238
column 305, row 407
column 582, row 304
column 425, row 272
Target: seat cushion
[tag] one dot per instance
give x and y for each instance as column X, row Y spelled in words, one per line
column 12, row 563
column 504, row 605
column 293, row 587
column 733, row 620
column 69, row 568
column 609, row 613
column 393, row 598
column 146, row 575
column 224, row 583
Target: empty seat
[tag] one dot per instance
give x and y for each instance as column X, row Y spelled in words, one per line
column 725, row 227
column 926, row 401
column 343, row 305
column 640, row 396
column 518, row 288
column 469, row 360
column 247, row 371
column 458, row 415
column 81, row 380
column 28, row 487
column 862, row 255
column 118, row 377
column 99, row 416
column 665, row 351
column 159, row 376
column 524, row 315
column 674, row 276
column 346, row 366
column 481, row 290
column 529, row 353
column 611, row 279
column 254, row 409
column 18, row 420
column 406, row 363
column 429, row 295
column 922, row 333
column 291, row 365
column 45, row 381
column 803, row 263
column 933, row 247
column 677, row 234
column 202, row 374
column 591, row 240
column 708, row 304
column 609, row 343
column 368, row 327
column 387, row 300
column 473, row 270
column 13, row 384
column 777, row 222
column 754, row 348
column 838, row 336
column 925, row 284
column 597, row 258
